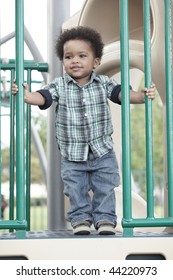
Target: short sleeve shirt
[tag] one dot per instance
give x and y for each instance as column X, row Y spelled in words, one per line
column 83, row 117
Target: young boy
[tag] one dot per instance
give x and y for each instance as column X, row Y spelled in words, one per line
column 84, row 129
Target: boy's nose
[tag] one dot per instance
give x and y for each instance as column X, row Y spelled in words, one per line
column 75, row 59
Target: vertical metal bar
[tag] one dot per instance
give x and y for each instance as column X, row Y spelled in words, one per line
column 12, row 151
column 148, row 111
column 58, row 12
column 126, row 155
column 28, row 153
column 20, row 175
column 169, row 101
column 0, row 148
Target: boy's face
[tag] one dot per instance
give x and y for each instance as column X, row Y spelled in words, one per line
column 79, row 60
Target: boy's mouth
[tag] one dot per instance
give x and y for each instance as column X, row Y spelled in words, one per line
column 75, row 68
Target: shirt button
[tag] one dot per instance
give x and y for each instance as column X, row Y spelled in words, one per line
column 84, row 100
column 85, row 114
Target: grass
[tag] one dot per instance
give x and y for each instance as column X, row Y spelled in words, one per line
column 38, row 217
column 159, row 211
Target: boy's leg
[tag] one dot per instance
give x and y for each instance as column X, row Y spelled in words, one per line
column 104, row 178
column 76, row 187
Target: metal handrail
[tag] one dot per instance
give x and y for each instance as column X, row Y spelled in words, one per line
column 128, row 222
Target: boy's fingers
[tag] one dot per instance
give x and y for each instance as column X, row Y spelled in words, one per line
column 25, row 86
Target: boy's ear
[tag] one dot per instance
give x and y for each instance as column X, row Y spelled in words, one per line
column 96, row 62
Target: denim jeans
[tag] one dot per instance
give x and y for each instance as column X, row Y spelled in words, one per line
column 100, row 176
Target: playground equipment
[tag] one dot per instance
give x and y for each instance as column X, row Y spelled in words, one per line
column 90, row 15
column 143, row 54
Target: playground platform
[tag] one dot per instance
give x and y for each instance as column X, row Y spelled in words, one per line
column 63, row 245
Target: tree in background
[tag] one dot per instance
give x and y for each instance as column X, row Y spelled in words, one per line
column 36, row 172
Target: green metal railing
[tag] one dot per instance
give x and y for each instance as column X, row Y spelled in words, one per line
column 169, row 102
column 128, row 222
column 19, row 142
column 20, row 221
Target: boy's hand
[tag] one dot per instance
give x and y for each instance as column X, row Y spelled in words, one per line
column 14, row 88
column 150, row 92
column 33, row 99
column 25, row 88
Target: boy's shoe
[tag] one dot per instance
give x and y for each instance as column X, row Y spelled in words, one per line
column 82, row 228
column 105, row 228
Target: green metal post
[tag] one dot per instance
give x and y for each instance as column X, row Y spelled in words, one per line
column 0, row 150
column 126, row 155
column 20, row 167
column 12, row 150
column 148, row 111
column 169, row 102
column 28, row 153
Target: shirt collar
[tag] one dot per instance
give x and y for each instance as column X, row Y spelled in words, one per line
column 69, row 79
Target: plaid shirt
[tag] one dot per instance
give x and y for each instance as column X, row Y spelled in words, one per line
column 83, row 117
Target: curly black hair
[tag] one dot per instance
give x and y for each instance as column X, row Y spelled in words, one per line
column 80, row 33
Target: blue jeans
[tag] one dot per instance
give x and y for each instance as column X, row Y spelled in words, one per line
column 99, row 175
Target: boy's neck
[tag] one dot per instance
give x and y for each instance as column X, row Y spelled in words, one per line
column 82, row 81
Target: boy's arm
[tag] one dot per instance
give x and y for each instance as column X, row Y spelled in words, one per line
column 39, row 98
column 139, row 97
column 34, row 98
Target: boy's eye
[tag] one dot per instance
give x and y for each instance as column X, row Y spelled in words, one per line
column 82, row 55
column 67, row 57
